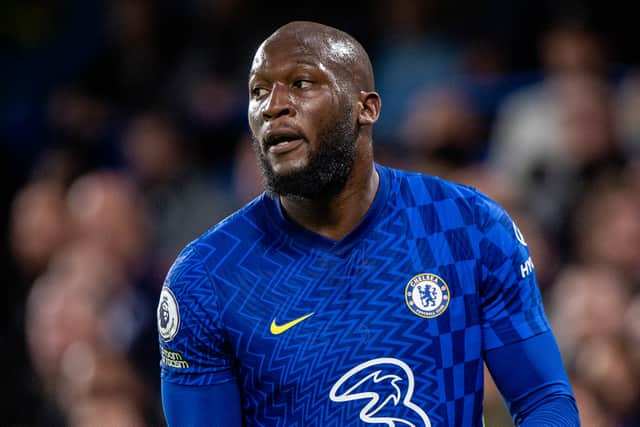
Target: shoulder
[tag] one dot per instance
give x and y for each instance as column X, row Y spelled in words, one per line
column 243, row 224
column 445, row 198
column 189, row 294
column 251, row 215
column 414, row 188
column 198, row 257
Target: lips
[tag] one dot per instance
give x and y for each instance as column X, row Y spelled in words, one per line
column 280, row 137
column 282, row 141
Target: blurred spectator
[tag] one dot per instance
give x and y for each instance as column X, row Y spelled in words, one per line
column 592, row 411
column 442, row 132
column 66, row 302
column 81, row 128
column 106, row 207
column 587, row 302
column 590, row 314
column 628, row 112
column 181, row 200
column 607, row 227
column 82, row 306
column 208, row 87
column 112, row 394
column 584, row 132
column 413, row 54
column 632, row 333
column 604, row 367
column 38, row 225
column 63, row 310
column 527, row 127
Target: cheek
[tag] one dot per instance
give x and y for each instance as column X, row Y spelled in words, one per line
column 320, row 113
column 253, row 115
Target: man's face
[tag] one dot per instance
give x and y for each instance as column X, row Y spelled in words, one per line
column 301, row 120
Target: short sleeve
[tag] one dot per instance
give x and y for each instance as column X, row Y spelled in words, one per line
column 511, row 305
column 193, row 347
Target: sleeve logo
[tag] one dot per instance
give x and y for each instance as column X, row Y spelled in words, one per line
column 173, row 359
column 168, row 315
column 518, row 234
column 427, row 295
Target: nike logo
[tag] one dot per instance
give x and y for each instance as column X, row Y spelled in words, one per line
column 279, row 329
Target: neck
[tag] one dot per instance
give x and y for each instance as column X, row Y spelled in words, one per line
column 334, row 217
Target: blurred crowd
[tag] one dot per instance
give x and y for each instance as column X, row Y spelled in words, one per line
column 123, row 136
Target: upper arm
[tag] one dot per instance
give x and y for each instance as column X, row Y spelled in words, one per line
column 532, row 380
column 520, row 349
column 214, row 406
column 193, row 344
column 511, row 304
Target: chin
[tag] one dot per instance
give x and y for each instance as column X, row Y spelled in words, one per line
column 289, row 167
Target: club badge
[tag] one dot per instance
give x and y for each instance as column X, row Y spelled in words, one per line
column 427, row 295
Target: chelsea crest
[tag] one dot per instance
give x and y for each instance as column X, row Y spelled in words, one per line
column 427, row 295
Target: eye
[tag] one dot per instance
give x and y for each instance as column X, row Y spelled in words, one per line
column 258, row 92
column 302, row 84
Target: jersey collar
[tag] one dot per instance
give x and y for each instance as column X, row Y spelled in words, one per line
column 312, row 240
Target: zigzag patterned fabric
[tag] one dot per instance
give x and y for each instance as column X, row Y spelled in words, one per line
column 384, row 327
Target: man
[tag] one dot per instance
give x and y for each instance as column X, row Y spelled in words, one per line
column 350, row 293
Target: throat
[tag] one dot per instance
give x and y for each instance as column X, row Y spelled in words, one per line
column 331, row 221
column 334, row 217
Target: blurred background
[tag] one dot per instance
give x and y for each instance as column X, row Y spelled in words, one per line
column 123, row 136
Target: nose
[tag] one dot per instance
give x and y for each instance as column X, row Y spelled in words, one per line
column 278, row 103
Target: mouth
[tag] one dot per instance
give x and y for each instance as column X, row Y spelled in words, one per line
column 282, row 142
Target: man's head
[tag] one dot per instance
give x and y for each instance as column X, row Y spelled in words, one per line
column 311, row 109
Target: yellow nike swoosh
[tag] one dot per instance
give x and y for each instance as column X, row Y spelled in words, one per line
column 278, row 329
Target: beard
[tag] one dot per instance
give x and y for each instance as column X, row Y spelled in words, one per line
column 328, row 167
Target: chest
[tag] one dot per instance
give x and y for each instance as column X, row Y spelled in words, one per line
column 373, row 300
column 392, row 317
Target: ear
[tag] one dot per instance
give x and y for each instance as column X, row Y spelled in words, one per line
column 369, row 108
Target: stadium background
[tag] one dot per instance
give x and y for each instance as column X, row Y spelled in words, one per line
column 123, row 135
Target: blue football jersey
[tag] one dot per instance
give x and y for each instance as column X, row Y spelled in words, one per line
column 387, row 326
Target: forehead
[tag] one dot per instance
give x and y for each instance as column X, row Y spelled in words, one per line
column 290, row 51
column 271, row 56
